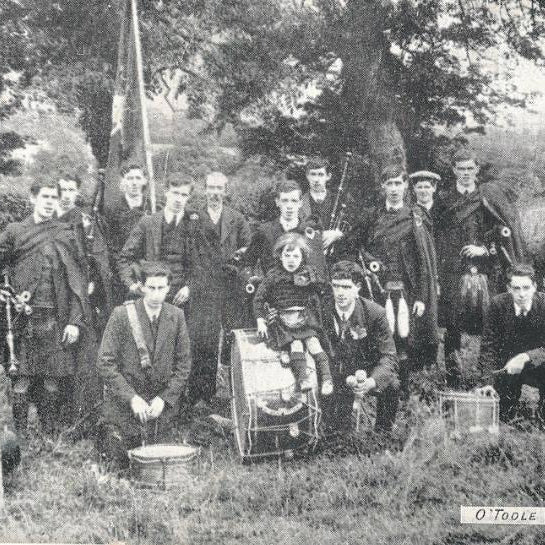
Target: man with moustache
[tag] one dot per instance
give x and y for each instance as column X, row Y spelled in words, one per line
column 40, row 256
column 513, row 344
column 220, row 289
column 394, row 239
column 473, row 253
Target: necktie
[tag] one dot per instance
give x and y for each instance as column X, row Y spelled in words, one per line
column 343, row 323
column 154, row 327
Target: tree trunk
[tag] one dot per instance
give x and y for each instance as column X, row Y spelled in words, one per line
column 368, row 95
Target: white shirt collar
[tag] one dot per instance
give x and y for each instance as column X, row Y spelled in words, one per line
column 518, row 309
column 289, row 225
column 394, row 206
column 427, row 206
column 152, row 312
column 134, row 202
column 345, row 314
column 215, row 215
column 169, row 216
column 462, row 189
column 37, row 219
column 318, row 197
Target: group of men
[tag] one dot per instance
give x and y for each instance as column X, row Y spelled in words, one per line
column 156, row 292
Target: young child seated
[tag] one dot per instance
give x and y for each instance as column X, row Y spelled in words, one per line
column 285, row 295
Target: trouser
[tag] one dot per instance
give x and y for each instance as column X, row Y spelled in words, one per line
column 114, row 439
column 453, row 361
column 424, row 356
column 509, row 389
column 48, row 393
column 337, row 409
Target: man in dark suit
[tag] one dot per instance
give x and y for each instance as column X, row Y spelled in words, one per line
column 122, row 215
column 514, row 341
column 144, row 372
column 361, row 340
column 220, row 290
column 288, row 201
column 318, row 201
column 162, row 237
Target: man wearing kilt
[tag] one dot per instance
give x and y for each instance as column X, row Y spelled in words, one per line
column 478, row 237
column 41, row 257
column 393, row 240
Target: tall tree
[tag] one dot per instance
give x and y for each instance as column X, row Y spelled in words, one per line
column 294, row 76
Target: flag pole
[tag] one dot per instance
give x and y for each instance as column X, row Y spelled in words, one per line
column 142, row 95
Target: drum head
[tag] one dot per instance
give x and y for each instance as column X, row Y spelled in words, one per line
column 162, row 451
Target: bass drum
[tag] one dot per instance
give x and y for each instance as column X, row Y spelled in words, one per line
column 269, row 417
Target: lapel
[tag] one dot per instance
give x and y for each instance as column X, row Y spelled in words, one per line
column 227, row 218
column 165, row 320
column 156, row 221
column 146, row 326
column 305, row 211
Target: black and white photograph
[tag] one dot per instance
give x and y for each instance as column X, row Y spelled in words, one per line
column 272, row 271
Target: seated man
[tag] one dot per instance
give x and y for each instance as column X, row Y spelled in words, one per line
column 514, row 341
column 144, row 360
column 360, row 339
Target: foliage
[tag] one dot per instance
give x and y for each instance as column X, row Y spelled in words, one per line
column 292, row 77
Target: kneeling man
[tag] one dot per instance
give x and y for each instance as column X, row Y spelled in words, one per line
column 361, row 339
column 514, row 341
column 144, row 360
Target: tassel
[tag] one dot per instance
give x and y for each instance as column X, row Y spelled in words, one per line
column 390, row 316
column 403, row 318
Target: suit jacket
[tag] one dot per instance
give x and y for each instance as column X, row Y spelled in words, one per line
column 262, row 245
column 120, row 220
column 144, row 243
column 505, row 335
column 367, row 344
column 119, row 363
column 306, row 209
column 235, row 231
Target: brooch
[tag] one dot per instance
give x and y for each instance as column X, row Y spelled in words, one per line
column 194, row 216
column 358, row 333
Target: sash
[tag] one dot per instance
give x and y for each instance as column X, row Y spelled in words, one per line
column 138, row 335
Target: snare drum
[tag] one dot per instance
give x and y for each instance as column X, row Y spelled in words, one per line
column 269, row 416
column 162, row 465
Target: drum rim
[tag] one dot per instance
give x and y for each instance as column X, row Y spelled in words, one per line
column 194, row 451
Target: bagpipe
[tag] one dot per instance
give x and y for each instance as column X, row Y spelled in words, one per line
column 398, row 315
column 16, row 305
column 337, row 220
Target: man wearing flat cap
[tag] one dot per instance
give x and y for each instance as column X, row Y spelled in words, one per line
column 360, row 340
column 424, row 184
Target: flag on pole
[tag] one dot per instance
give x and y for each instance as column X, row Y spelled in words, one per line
column 129, row 138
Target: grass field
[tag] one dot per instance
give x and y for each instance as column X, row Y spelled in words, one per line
column 353, row 490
